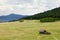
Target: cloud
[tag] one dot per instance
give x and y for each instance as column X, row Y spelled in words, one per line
column 53, row 4
column 26, row 7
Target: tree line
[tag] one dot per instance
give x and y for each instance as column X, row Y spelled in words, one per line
column 54, row 13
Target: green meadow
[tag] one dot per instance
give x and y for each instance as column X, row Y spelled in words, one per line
column 29, row 30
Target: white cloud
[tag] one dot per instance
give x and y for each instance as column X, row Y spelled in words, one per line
column 26, row 7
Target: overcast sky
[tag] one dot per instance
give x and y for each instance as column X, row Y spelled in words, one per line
column 26, row 7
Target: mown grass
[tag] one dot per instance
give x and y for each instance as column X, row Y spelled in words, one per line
column 29, row 30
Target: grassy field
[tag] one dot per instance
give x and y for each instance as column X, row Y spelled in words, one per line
column 29, row 30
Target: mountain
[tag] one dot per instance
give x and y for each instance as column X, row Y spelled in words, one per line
column 11, row 17
column 54, row 13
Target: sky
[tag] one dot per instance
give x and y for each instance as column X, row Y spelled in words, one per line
column 27, row 7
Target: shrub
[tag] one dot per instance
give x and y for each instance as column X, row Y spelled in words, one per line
column 21, row 20
column 47, row 20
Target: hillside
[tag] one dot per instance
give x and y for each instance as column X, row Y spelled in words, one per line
column 54, row 13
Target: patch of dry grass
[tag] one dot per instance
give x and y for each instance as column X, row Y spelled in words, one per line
column 28, row 30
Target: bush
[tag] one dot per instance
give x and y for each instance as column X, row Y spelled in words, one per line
column 47, row 20
column 21, row 20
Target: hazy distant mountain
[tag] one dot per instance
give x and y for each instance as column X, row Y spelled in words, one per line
column 11, row 17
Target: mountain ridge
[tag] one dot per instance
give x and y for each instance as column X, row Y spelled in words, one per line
column 11, row 17
column 54, row 13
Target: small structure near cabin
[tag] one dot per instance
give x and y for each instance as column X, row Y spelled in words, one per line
column 44, row 32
